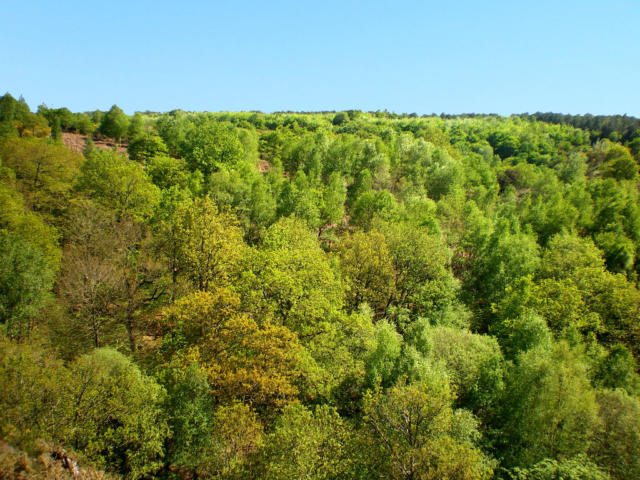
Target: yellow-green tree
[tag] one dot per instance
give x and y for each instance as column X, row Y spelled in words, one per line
column 307, row 444
column 45, row 172
column 257, row 363
column 117, row 420
column 416, row 434
column 368, row 270
column 209, row 243
column 293, row 280
column 119, row 184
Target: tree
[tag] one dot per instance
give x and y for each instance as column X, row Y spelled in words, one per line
column 142, row 285
column 506, row 257
column 307, row 444
column 243, row 360
column 423, row 282
column 292, row 280
column 17, row 219
column 340, row 118
column 114, row 124
column 26, row 279
column 619, row 251
column 166, row 172
column 118, row 422
column 34, row 400
column 299, row 198
column 189, row 408
column 619, row 164
column 473, row 362
column 262, row 208
column 333, row 198
column 617, row 369
column 382, row 362
column 136, row 126
column 209, row 245
column 416, row 434
column 576, row 468
column 83, row 124
column 371, row 205
column 549, row 408
column 235, row 439
column 7, row 114
column 504, row 143
column 366, row 264
column 617, row 442
column 146, row 146
column 210, row 145
column 90, row 277
column 56, row 130
column 45, row 172
column 119, row 184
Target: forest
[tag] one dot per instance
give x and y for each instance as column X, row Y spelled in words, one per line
column 322, row 296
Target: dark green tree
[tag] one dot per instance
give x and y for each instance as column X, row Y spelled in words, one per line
column 114, row 124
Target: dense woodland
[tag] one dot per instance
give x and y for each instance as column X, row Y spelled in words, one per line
column 340, row 296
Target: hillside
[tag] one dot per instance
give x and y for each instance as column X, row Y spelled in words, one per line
column 339, row 295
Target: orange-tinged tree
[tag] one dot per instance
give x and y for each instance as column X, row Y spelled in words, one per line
column 244, row 360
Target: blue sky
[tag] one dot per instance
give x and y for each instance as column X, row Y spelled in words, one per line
column 404, row 56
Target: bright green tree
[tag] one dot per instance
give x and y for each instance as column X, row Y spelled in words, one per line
column 210, row 145
column 118, row 184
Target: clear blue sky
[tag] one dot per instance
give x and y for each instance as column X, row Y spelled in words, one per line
column 487, row 56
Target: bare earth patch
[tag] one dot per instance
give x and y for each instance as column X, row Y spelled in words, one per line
column 76, row 142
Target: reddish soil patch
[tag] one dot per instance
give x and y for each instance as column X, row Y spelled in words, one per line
column 76, row 142
column 263, row 165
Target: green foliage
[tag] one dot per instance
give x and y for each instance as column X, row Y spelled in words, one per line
column 118, row 421
column 473, row 363
column 25, row 283
column 618, row 369
column 352, row 295
column 340, row 118
column 166, row 172
column 382, row 362
column 549, row 407
column 44, row 172
column 575, row 468
column 236, row 436
column 619, row 164
column 210, row 145
column 118, row 184
column 307, row 444
column 188, row 406
column 292, row 279
column 506, row 258
column 145, row 146
column 368, row 270
column 423, row 282
column 242, row 359
column 209, row 243
column 102, row 406
column 617, row 442
column 34, row 401
column 415, row 433
column 16, row 218
column 114, row 123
